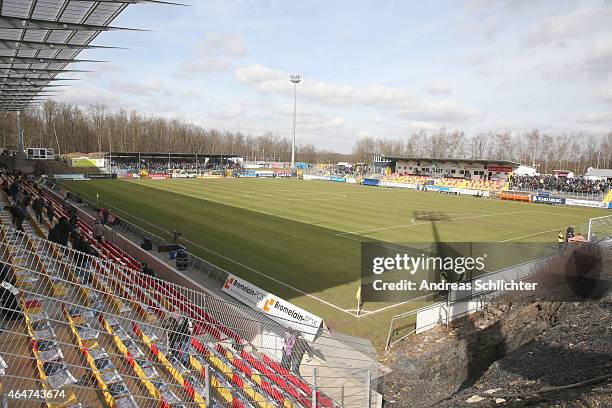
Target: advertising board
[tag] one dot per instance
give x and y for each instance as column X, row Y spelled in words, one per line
column 279, row 310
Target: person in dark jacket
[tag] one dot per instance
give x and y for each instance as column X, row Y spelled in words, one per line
column 14, row 190
column 25, row 199
column 63, row 229
column 37, row 206
column 18, row 216
column 74, row 223
column 180, row 339
column 50, row 211
column 54, row 234
column 146, row 269
column 83, row 261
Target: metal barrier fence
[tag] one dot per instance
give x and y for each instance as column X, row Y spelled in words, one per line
column 457, row 303
column 585, row 195
column 83, row 321
column 600, row 228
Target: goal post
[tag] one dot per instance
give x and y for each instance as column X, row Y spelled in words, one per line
column 600, row 228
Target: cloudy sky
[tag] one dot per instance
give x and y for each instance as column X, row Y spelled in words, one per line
column 369, row 68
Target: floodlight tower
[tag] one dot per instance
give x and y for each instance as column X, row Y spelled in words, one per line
column 296, row 80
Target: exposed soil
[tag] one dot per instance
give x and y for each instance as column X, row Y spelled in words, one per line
column 516, row 347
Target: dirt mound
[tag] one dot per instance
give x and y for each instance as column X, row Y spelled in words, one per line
column 565, row 366
column 528, row 350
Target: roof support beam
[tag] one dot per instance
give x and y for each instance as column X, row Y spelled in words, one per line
column 32, row 60
column 37, row 45
column 26, row 87
column 5, row 79
column 39, row 70
column 16, row 23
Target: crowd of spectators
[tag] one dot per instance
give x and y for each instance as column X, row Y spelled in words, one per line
column 163, row 166
column 559, row 184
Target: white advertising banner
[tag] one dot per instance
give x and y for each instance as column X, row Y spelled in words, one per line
column 585, row 203
column 397, row 185
column 313, row 177
column 469, row 191
column 279, row 310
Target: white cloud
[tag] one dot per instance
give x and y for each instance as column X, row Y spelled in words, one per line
column 438, row 88
column 191, row 67
column 599, row 59
column 597, row 118
column 231, row 112
column 416, row 125
column 272, row 81
column 143, row 89
column 88, row 95
column 578, row 24
column 222, row 44
column 443, row 111
column 269, row 80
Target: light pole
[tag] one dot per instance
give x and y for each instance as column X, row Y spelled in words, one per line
column 296, row 80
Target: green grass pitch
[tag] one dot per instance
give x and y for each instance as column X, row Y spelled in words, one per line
column 301, row 239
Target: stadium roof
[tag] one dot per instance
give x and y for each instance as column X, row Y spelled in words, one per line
column 40, row 39
column 602, row 173
column 154, row 155
column 452, row 160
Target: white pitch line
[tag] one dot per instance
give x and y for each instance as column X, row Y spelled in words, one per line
column 236, row 262
column 532, row 235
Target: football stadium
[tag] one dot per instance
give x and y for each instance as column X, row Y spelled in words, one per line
column 166, row 243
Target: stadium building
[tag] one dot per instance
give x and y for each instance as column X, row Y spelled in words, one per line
column 451, row 168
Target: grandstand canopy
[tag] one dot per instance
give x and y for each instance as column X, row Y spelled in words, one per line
column 41, row 39
column 132, row 156
column 484, row 162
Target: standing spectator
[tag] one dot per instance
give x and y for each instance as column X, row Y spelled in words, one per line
column 569, row 233
column 63, row 231
column 180, row 339
column 50, row 211
column 54, row 234
column 18, row 216
column 105, row 214
column 74, row 222
column 175, row 236
column 111, row 219
column 14, row 190
column 37, row 206
column 98, row 230
column 25, row 200
column 287, row 350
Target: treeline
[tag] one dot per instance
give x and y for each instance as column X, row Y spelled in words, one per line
column 70, row 128
column 575, row 152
